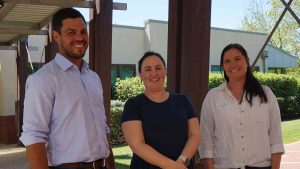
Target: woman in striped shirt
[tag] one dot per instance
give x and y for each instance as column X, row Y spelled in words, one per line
column 240, row 119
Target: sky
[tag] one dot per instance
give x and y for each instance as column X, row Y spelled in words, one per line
column 225, row 13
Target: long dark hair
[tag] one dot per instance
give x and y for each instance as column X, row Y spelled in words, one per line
column 252, row 86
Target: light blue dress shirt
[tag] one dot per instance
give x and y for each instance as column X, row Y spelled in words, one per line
column 64, row 109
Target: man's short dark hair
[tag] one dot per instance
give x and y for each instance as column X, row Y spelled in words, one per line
column 63, row 14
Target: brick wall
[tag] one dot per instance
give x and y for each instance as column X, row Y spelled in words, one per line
column 8, row 131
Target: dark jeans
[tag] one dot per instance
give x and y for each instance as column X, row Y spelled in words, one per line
column 75, row 168
column 248, row 167
column 65, row 168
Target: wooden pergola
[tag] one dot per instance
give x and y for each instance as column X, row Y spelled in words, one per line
column 188, row 46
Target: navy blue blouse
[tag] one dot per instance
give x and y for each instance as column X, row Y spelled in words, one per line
column 165, row 125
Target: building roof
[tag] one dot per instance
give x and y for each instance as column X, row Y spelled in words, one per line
column 20, row 18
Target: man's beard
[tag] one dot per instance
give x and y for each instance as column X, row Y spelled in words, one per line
column 72, row 54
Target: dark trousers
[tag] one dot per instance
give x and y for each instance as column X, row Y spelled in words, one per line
column 66, row 168
column 248, row 167
column 75, row 168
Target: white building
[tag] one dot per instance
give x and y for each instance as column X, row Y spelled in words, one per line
column 129, row 44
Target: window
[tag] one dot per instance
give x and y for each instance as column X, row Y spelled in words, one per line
column 276, row 70
column 215, row 69
column 256, row 69
column 121, row 71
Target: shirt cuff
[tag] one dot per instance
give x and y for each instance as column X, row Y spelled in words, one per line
column 28, row 140
column 205, row 153
column 277, row 148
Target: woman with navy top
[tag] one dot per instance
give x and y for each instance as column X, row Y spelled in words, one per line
column 160, row 127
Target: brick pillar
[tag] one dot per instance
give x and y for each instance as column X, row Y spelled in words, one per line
column 8, row 130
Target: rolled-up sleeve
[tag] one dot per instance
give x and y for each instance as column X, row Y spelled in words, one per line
column 38, row 105
column 207, row 128
column 275, row 132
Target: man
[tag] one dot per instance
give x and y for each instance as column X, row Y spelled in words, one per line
column 64, row 123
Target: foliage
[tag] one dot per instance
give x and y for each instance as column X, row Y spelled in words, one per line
column 116, row 110
column 262, row 15
column 282, row 85
column 128, row 88
column 215, row 79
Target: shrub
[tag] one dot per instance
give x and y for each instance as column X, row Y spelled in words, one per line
column 215, row 79
column 289, row 107
column 282, row 85
column 128, row 88
column 116, row 110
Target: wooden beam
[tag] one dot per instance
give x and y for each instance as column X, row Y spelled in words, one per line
column 5, row 10
column 4, row 44
column 64, row 4
column 23, row 31
column 8, row 48
column 22, row 24
column 291, row 11
column 16, row 39
column 270, row 35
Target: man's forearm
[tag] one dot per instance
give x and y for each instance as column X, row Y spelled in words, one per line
column 37, row 156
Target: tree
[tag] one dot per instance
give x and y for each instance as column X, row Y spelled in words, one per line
column 261, row 16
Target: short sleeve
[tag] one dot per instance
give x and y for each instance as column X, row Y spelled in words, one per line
column 189, row 108
column 130, row 111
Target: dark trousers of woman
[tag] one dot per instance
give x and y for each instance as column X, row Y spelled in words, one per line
column 248, row 167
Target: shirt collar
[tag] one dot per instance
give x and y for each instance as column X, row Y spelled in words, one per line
column 65, row 64
column 223, row 86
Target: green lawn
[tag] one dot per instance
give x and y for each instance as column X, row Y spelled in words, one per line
column 122, row 156
column 290, row 130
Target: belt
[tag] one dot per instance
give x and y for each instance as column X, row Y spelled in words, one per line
column 94, row 164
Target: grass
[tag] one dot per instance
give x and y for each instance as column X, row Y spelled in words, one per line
column 290, row 131
column 122, row 156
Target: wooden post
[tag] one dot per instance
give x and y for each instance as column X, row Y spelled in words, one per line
column 100, row 54
column 188, row 50
column 22, row 65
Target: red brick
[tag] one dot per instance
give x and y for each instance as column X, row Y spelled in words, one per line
column 8, row 131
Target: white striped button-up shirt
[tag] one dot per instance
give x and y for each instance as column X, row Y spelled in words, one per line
column 236, row 135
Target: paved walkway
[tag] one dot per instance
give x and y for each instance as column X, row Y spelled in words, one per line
column 291, row 158
column 13, row 157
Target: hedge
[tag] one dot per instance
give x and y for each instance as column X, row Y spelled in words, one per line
column 285, row 87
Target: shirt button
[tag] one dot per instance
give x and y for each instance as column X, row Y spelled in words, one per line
column 241, row 123
column 242, row 136
column 242, row 111
column 243, row 149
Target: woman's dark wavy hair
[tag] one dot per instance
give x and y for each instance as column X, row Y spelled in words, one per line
column 252, row 86
column 147, row 54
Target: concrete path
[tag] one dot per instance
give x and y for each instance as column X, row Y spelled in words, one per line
column 291, row 158
column 13, row 157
